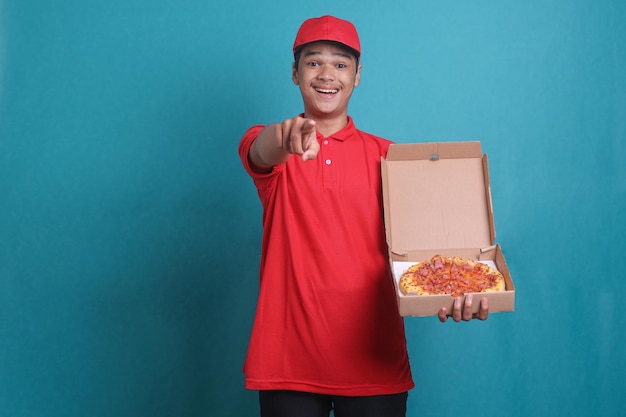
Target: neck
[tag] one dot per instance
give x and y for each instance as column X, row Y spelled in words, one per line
column 328, row 126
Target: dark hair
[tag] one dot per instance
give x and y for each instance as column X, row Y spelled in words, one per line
column 296, row 55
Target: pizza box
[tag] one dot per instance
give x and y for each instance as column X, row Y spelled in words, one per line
column 437, row 200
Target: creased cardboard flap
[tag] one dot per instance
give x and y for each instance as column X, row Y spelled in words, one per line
column 434, row 150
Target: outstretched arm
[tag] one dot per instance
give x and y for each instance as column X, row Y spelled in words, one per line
column 277, row 142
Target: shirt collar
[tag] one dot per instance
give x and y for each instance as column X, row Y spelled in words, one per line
column 344, row 134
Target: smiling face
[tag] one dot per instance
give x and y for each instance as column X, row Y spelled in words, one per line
column 326, row 74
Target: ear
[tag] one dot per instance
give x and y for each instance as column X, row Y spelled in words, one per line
column 357, row 78
column 294, row 73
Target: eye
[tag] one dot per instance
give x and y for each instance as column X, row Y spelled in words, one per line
column 342, row 66
column 312, row 64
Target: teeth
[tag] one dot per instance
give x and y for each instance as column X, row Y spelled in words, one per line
column 320, row 90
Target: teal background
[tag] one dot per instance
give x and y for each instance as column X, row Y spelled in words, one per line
column 130, row 234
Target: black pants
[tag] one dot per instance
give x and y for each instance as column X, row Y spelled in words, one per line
column 304, row 404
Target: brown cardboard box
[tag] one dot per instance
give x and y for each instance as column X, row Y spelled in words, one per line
column 437, row 200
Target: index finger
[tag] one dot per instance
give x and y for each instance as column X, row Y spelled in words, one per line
column 308, row 126
column 310, row 146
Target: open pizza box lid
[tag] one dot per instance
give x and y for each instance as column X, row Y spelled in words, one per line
column 437, row 200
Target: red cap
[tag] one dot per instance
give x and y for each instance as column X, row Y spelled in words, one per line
column 328, row 28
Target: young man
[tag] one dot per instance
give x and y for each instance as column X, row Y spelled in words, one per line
column 327, row 333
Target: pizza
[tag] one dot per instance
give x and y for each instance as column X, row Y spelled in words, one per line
column 450, row 275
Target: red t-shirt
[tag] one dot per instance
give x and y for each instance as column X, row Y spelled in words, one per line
column 327, row 320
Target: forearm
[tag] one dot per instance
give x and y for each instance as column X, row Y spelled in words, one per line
column 266, row 150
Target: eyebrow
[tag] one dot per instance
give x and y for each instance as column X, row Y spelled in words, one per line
column 341, row 54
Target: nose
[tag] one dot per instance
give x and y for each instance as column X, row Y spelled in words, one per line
column 327, row 73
